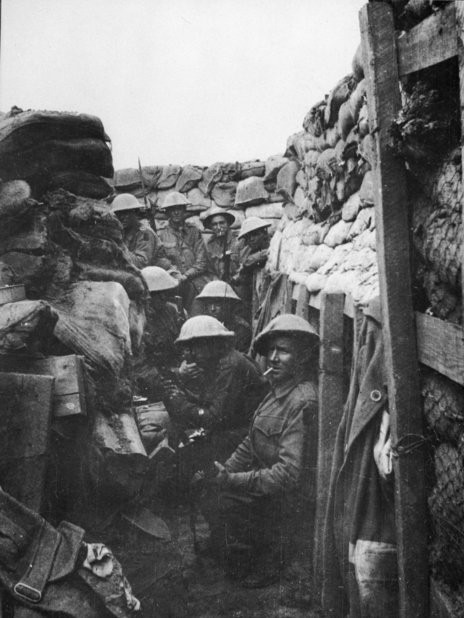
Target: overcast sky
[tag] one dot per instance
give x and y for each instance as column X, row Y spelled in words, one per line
column 179, row 81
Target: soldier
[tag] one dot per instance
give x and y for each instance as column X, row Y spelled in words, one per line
column 253, row 257
column 185, row 248
column 223, row 247
column 219, row 300
column 144, row 245
column 251, row 499
column 158, row 355
column 218, row 389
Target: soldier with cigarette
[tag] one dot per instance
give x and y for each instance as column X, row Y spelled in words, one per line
column 249, row 502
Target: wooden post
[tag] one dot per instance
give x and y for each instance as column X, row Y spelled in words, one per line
column 459, row 12
column 302, row 308
column 391, row 212
column 331, row 400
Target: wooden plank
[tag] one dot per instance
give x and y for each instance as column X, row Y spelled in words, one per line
column 331, row 400
column 440, row 346
column 302, row 306
column 25, row 413
column 390, row 194
column 459, row 15
column 68, row 372
column 289, row 297
column 432, row 41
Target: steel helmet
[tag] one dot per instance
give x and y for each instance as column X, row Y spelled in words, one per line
column 285, row 324
column 157, row 279
column 203, row 326
column 213, row 212
column 218, row 289
column 175, row 198
column 251, row 224
column 125, row 201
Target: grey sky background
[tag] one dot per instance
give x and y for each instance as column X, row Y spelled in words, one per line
column 179, row 81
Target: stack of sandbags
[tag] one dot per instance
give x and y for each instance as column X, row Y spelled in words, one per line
column 250, row 188
column 55, row 149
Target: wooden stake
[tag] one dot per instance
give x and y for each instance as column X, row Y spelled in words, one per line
column 391, row 212
column 331, row 400
column 459, row 11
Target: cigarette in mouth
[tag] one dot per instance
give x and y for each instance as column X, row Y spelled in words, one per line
column 268, row 371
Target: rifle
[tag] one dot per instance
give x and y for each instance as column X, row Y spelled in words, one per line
column 226, row 255
column 146, row 201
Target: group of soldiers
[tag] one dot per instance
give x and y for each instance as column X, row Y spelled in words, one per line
column 199, row 361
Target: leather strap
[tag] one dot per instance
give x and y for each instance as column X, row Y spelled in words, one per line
column 39, row 565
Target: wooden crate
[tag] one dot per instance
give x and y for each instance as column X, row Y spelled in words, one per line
column 68, row 371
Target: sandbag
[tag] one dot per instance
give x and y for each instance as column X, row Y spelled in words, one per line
column 127, row 179
column 26, row 326
column 199, row 201
column 86, row 154
column 299, row 198
column 313, row 122
column 35, row 271
column 132, row 283
column 315, row 282
column 94, row 321
column 189, row 178
column 13, row 195
column 252, row 168
column 32, row 239
column 272, row 167
column 250, row 191
column 351, row 207
column 315, row 234
column 366, row 192
column 21, row 131
column 357, row 99
column 345, row 120
column 338, row 234
column 327, row 164
column 265, row 211
column 337, row 97
column 320, row 256
column 169, row 176
column 8, row 275
column 80, row 183
column 210, row 177
column 365, row 220
column 223, row 194
column 286, row 180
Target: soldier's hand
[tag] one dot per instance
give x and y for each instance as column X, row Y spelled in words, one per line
column 223, row 477
column 189, row 370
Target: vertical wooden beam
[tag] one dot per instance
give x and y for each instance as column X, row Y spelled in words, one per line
column 288, row 297
column 302, row 303
column 459, row 11
column 391, row 211
column 331, row 400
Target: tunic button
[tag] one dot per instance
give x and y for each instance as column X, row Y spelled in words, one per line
column 376, row 395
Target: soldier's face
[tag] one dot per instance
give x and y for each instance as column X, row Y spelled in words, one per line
column 282, row 357
column 215, row 308
column 176, row 214
column 128, row 219
column 202, row 351
column 219, row 226
column 255, row 239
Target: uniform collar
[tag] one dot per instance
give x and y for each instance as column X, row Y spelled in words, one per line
column 283, row 389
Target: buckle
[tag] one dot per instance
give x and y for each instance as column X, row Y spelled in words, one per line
column 27, row 593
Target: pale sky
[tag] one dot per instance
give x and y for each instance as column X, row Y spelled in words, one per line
column 179, row 81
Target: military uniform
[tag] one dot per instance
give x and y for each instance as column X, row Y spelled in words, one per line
column 146, row 248
column 186, row 250
column 216, row 248
column 253, row 512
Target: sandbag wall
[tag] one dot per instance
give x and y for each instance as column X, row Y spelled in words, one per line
column 83, row 296
column 249, row 189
